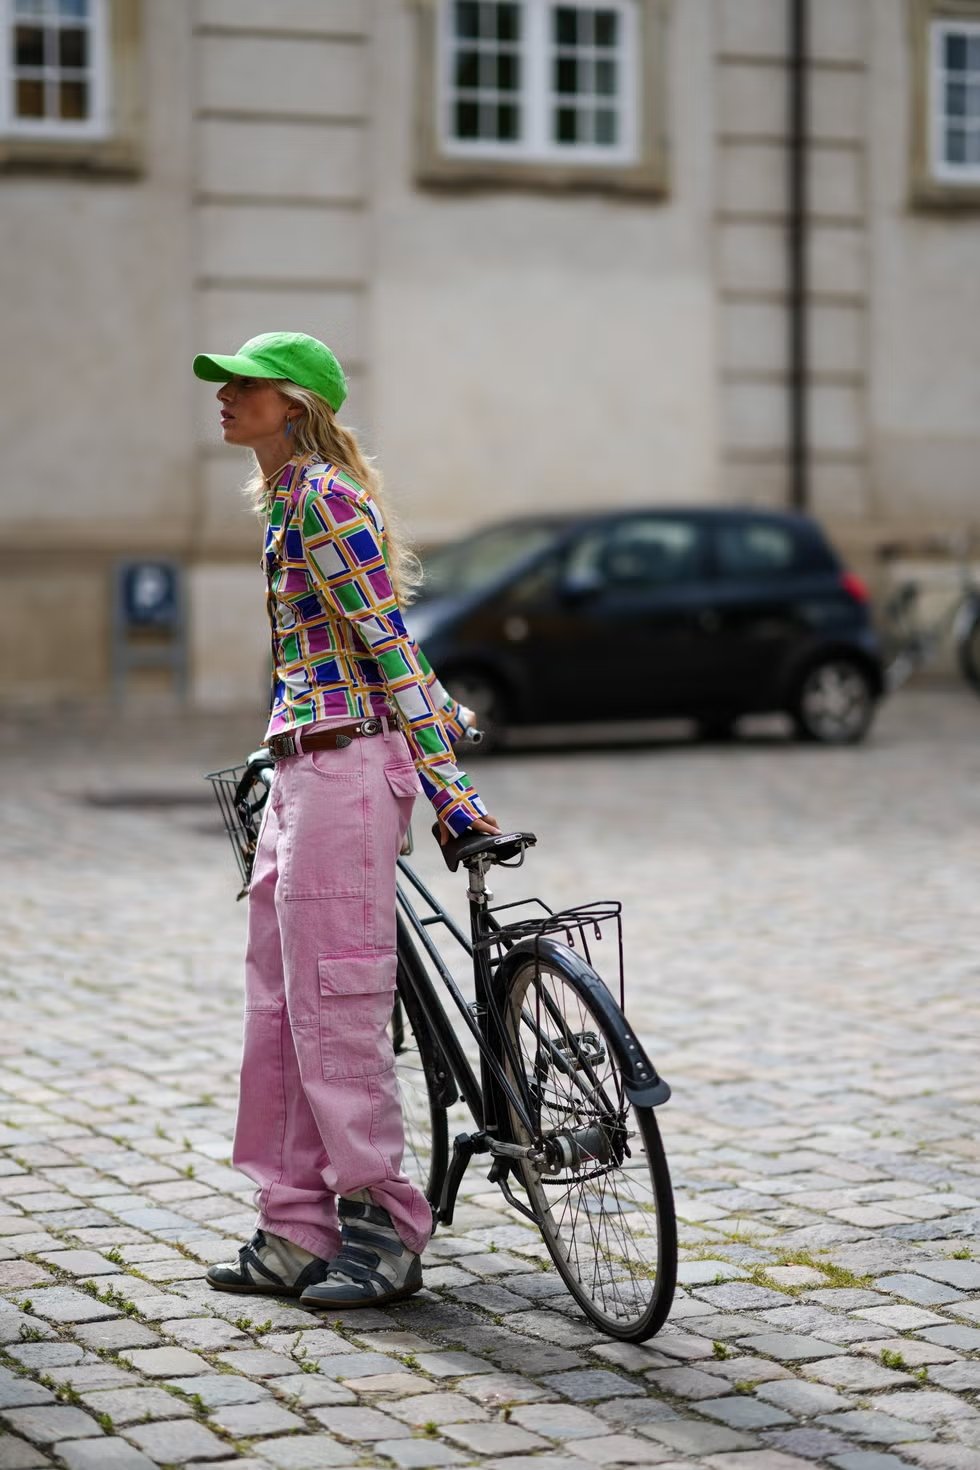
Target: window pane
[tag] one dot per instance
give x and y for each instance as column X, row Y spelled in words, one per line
column 606, row 24
column 508, row 22
column 467, row 18
column 75, row 9
column 955, row 53
column 508, row 73
column 467, row 69
column 973, row 101
column 955, row 145
column 639, row 555
column 566, row 25
column 73, row 100
column 566, row 75
column 605, row 126
column 73, row 48
column 471, row 564
column 507, row 122
column 565, row 125
column 29, row 46
column 467, row 123
column 973, row 53
column 30, row 99
column 955, row 99
column 605, row 78
column 973, row 146
column 747, row 551
column 30, row 7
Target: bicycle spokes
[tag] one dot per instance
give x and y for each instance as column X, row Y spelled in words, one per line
column 593, row 1174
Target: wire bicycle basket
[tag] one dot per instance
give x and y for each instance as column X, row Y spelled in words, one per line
column 241, row 793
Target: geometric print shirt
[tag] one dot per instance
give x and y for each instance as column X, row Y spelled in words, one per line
column 340, row 645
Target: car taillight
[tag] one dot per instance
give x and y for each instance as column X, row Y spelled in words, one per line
column 854, row 587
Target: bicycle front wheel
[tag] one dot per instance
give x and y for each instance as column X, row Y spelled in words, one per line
column 598, row 1184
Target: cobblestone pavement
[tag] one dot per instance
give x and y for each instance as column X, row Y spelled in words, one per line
column 802, row 948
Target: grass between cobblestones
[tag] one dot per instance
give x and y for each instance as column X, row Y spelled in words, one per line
column 117, row 1072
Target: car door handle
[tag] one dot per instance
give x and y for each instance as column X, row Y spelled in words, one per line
column 516, row 629
column 709, row 620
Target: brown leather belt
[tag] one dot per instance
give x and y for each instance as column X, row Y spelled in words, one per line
column 281, row 746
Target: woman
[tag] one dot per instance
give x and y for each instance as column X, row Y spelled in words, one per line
column 358, row 723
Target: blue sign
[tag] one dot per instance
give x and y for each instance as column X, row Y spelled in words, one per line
column 150, row 597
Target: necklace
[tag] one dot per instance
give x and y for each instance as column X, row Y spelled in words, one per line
column 276, row 473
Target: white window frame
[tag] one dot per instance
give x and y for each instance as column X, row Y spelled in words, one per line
column 96, row 125
column 942, row 169
column 535, row 96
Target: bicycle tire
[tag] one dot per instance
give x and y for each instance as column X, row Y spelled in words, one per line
column 607, row 1218
column 967, row 634
column 426, row 1126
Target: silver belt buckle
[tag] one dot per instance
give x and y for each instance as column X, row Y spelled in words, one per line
column 370, row 727
column 282, row 745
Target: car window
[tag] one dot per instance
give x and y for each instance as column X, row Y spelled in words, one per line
column 756, row 549
column 537, row 585
column 639, row 553
column 473, row 563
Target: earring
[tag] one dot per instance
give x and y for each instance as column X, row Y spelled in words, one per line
column 289, row 428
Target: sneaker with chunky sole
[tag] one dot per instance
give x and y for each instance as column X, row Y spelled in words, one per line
column 374, row 1265
column 269, row 1265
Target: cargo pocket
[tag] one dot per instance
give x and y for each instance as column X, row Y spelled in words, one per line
column 357, row 994
column 404, row 782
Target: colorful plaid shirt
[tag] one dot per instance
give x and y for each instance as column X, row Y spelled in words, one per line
column 340, row 646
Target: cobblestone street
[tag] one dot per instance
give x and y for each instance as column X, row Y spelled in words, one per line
column 802, row 963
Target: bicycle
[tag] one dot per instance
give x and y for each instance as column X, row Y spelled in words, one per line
column 910, row 643
column 562, row 1095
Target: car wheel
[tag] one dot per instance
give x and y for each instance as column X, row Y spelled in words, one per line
column 835, row 703
column 480, row 693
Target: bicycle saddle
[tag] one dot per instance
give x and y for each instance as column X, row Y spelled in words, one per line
column 499, row 849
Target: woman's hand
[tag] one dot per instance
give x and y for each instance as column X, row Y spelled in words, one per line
column 486, row 826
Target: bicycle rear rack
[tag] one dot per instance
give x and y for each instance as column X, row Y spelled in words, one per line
column 580, row 927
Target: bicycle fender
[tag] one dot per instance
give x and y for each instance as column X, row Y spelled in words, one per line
column 644, row 1086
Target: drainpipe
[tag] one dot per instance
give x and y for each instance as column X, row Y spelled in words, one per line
column 799, row 489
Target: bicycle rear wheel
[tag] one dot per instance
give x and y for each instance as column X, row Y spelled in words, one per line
column 599, row 1187
column 423, row 1114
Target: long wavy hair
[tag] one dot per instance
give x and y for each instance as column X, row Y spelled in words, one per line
column 318, row 432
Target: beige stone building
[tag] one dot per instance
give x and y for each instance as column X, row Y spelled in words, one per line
column 551, row 243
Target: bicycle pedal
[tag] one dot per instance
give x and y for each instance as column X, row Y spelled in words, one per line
column 465, row 1145
column 498, row 1170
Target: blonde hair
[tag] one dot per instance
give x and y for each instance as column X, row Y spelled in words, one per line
column 319, row 433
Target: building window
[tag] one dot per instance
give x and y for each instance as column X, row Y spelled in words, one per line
column 945, row 104
column 54, row 80
column 529, row 79
column 542, row 93
column 955, row 101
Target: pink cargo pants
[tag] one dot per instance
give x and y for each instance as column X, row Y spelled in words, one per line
column 319, row 1113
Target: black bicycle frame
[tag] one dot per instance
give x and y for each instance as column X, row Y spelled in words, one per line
column 494, row 1085
column 489, row 1097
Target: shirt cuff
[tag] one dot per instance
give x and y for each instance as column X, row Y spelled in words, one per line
column 459, row 810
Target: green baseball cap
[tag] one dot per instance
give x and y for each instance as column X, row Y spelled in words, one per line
column 292, row 355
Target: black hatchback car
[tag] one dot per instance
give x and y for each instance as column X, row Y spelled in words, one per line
column 704, row 613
